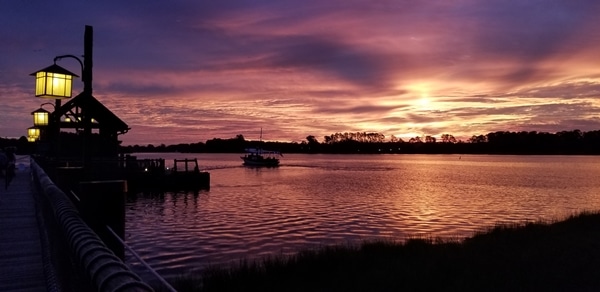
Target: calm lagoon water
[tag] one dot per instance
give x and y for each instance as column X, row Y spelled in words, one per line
column 316, row 200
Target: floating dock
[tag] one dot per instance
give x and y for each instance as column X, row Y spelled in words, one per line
column 154, row 174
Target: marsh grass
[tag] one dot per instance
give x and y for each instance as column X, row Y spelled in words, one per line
column 556, row 256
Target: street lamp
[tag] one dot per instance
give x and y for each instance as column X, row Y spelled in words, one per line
column 55, row 82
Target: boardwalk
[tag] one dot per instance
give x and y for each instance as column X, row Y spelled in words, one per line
column 21, row 262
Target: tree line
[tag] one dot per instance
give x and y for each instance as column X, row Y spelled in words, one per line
column 500, row 142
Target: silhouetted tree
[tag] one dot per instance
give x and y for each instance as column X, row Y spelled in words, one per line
column 311, row 139
column 478, row 139
column 416, row 139
column 447, row 138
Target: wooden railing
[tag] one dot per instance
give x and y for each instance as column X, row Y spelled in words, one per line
column 104, row 270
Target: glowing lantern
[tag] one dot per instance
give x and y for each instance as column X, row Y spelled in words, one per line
column 33, row 134
column 54, row 82
column 41, row 117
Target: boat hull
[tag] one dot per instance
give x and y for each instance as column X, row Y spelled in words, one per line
column 260, row 161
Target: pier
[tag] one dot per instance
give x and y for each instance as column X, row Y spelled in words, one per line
column 45, row 244
column 22, row 262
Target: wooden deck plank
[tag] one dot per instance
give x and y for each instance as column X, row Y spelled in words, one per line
column 21, row 264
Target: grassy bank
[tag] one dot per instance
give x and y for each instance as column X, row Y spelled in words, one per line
column 558, row 256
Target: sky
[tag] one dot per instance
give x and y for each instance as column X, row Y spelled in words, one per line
column 189, row 71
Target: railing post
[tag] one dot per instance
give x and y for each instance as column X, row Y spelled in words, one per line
column 67, row 178
column 103, row 204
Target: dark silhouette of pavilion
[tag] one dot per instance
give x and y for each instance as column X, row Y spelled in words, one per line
column 85, row 108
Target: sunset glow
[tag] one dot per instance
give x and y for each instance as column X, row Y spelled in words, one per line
column 189, row 72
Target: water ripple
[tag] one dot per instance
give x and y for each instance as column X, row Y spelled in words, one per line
column 312, row 201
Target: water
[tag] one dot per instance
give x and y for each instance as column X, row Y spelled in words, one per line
column 316, row 200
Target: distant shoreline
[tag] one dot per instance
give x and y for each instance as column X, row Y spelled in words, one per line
column 574, row 142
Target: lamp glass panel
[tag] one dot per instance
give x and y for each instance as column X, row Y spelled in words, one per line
column 40, row 118
column 40, row 83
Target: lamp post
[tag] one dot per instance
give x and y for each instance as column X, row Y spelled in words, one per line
column 55, row 82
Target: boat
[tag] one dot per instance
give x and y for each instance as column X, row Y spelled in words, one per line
column 260, row 157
